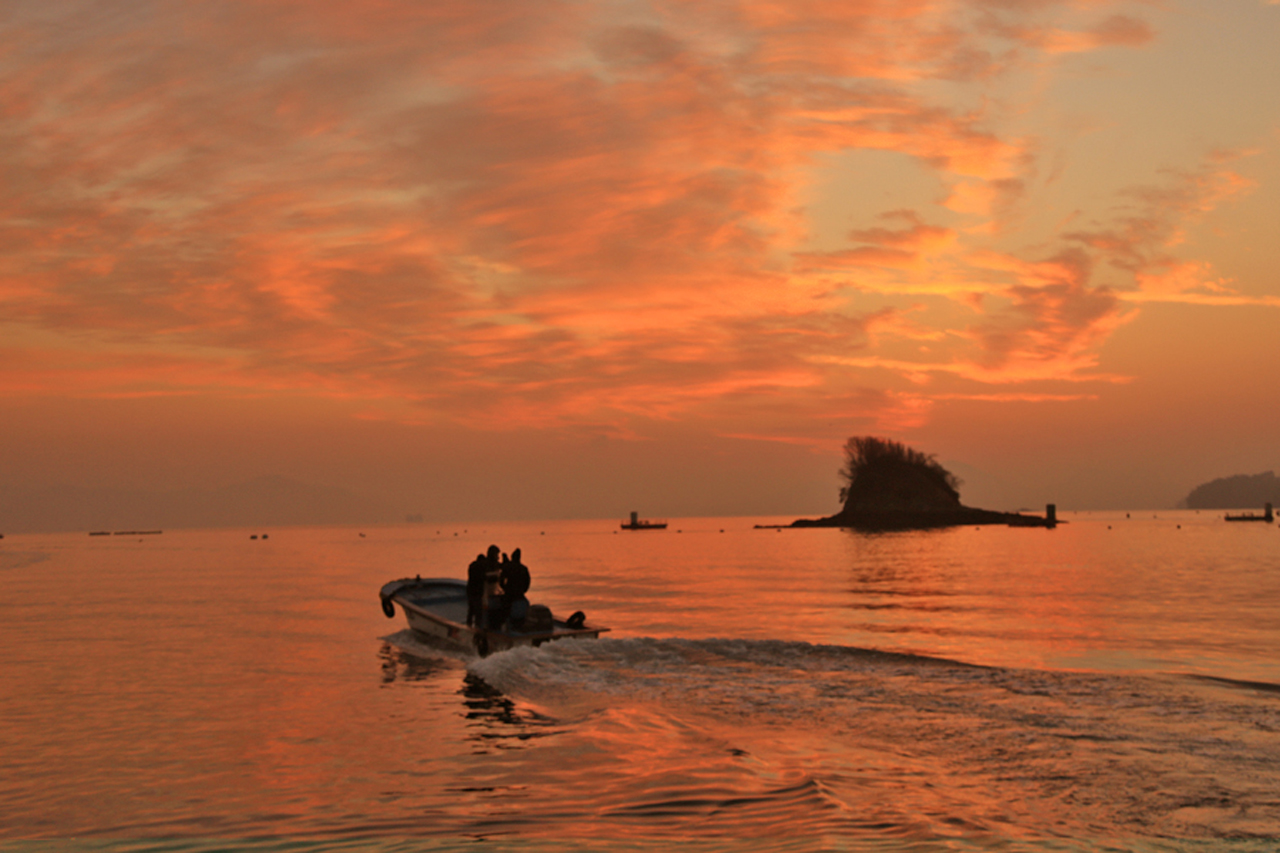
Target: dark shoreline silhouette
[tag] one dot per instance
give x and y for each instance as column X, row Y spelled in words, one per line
column 1240, row 490
column 925, row 519
column 893, row 487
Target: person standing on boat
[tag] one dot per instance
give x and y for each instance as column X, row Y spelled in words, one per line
column 493, row 589
column 476, row 573
column 515, row 583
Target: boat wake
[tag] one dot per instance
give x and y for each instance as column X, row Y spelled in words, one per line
column 1111, row 753
column 1086, row 754
column 779, row 678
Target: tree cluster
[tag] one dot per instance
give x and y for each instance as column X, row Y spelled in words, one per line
column 868, row 458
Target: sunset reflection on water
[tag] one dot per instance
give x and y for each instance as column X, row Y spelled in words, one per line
column 202, row 684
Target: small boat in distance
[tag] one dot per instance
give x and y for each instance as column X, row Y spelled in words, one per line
column 1268, row 516
column 637, row 523
column 436, row 609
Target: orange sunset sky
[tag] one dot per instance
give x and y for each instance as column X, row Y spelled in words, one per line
column 487, row 259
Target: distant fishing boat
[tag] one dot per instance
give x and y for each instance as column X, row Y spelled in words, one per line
column 1268, row 516
column 637, row 523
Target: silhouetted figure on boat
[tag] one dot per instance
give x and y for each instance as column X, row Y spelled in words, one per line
column 482, row 579
column 515, row 576
column 476, row 573
column 515, row 583
column 494, row 613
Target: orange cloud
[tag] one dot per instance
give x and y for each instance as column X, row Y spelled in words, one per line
column 1054, row 317
column 537, row 214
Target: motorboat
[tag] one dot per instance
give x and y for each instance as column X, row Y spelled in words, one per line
column 436, row 609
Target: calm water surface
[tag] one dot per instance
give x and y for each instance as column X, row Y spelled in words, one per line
column 1110, row 685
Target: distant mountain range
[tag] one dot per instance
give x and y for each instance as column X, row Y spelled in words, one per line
column 1236, row 492
column 268, row 501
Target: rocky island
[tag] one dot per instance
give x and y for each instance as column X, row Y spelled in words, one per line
column 1235, row 492
column 889, row 486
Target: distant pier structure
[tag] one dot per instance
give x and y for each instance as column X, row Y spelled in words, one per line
column 1015, row 519
column 638, row 523
column 1267, row 515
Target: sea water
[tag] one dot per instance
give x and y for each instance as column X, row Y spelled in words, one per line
column 1112, row 684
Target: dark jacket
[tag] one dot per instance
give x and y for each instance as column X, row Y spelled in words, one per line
column 475, row 576
column 515, row 579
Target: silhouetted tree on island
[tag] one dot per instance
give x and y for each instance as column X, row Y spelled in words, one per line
column 889, row 486
column 882, row 474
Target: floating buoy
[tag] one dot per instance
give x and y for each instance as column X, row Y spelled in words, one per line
column 576, row 621
column 388, row 608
